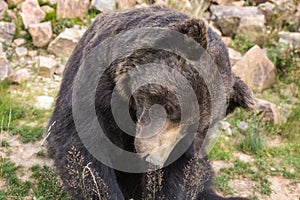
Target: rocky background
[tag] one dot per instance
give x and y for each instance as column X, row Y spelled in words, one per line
column 263, row 39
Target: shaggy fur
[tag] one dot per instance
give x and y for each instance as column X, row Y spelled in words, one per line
column 72, row 160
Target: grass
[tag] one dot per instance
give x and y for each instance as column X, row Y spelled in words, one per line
column 241, row 43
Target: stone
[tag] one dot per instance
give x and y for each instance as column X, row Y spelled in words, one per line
column 7, row 32
column 290, row 92
column 243, row 126
column 247, row 20
column 46, row 66
column 234, row 56
column 10, row 2
column 41, row 33
column 270, row 112
column 103, row 5
column 44, row 102
column 226, row 40
column 21, row 51
column 268, row 10
column 60, row 69
column 5, row 70
column 1, row 48
column 225, row 126
column 47, row 9
column 72, row 8
column 19, row 41
column 31, row 12
column 255, row 69
column 257, row 1
column 3, row 8
column 11, row 14
column 125, row 4
column 290, row 38
column 32, row 53
column 65, row 42
column 20, row 76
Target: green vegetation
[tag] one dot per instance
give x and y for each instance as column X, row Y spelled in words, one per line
column 241, row 43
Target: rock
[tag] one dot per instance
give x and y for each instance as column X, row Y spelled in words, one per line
column 268, row 10
column 65, row 42
column 225, row 126
column 5, row 70
column 1, row 48
column 7, row 32
column 41, row 33
column 247, row 20
column 10, row 2
column 290, row 38
column 243, row 126
column 290, row 92
column 234, row 56
column 47, row 9
column 20, row 76
column 72, row 8
column 46, row 66
column 257, row 1
column 31, row 12
column 238, row 3
column 60, row 69
column 32, row 53
column 21, row 51
column 11, row 14
column 3, row 8
column 44, row 102
column 255, row 69
column 269, row 112
column 103, row 5
column 226, row 40
column 125, row 4
column 19, row 41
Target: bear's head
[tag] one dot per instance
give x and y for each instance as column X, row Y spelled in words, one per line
column 156, row 108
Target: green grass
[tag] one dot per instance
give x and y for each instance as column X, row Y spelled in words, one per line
column 241, row 43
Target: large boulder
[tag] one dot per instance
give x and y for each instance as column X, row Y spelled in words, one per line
column 7, row 32
column 5, row 70
column 41, row 33
column 103, row 5
column 31, row 12
column 256, row 69
column 246, row 20
column 65, row 42
column 72, row 8
column 3, row 8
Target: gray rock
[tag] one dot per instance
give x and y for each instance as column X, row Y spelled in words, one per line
column 5, row 70
column 1, row 48
column 20, row 76
column 44, row 102
column 7, row 32
column 47, row 9
column 65, row 42
column 255, row 69
column 31, row 12
column 10, row 2
column 103, row 5
column 60, row 69
column 46, row 66
column 41, row 33
column 243, row 126
column 19, row 41
column 234, row 56
column 290, row 38
column 270, row 112
column 125, row 4
column 71, row 8
column 3, row 8
column 268, row 10
column 21, row 51
column 247, row 20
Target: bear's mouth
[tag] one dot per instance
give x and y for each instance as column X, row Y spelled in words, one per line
column 156, row 149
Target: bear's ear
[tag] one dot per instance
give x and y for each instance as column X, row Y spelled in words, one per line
column 194, row 28
column 241, row 97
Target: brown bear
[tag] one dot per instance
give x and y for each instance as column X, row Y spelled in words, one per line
column 187, row 174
